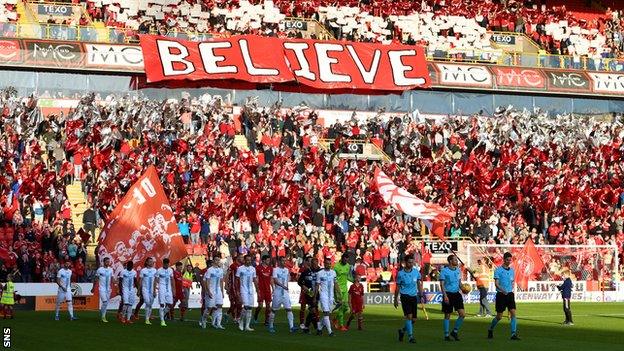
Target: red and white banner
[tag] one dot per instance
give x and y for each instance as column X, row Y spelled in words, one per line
column 527, row 263
column 141, row 226
column 250, row 61
column 433, row 215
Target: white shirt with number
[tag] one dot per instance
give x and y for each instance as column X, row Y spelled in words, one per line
column 215, row 276
column 127, row 280
column 148, row 275
column 282, row 276
column 326, row 280
column 64, row 275
column 105, row 277
column 246, row 275
column 164, row 279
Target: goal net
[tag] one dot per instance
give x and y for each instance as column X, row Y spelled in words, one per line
column 592, row 268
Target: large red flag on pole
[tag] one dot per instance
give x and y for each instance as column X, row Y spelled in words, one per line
column 527, row 264
column 141, row 226
column 433, row 215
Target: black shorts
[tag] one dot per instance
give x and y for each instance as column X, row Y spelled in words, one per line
column 504, row 302
column 455, row 301
column 409, row 305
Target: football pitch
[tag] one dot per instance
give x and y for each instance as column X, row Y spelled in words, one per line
column 599, row 326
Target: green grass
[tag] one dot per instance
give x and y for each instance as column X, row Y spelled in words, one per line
column 598, row 326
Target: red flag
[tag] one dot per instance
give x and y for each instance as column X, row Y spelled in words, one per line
column 433, row 215
column 141, row 226
column 527, row 264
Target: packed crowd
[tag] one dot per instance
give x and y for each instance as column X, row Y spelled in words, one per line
column 518, row 175
column 446, row 27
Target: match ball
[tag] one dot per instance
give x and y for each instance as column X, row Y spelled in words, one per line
column 466, row 288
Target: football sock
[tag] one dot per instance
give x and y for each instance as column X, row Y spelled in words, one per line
column 148, row 312
column 447, row 325
column 360, row 322
column 129, row 312
column 271, row 319
column 514, row 324
column 248, row 319
column 58, row 307
column 70, row 308
column 218, row 317
column 327, row 323
column 340, row 316
column 161, row 313
column 241, row 321
column 409, row 328
column 103, row 309
column 302, row 316
column 350, row 320
column 493, row 324
column 291, row 319
column 458, row 323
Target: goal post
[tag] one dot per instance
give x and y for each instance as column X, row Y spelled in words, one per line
column 594, row 270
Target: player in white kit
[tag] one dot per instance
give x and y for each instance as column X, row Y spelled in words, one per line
column 281, row 296
column 147, row 281
column 63, row 280
column 327, row 288
column 164, row 280
column 104, row 278
column 248, row 284
column 213, row 287
column 128, row 291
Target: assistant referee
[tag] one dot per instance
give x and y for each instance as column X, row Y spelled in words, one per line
column 505, row 300
column 409, row 283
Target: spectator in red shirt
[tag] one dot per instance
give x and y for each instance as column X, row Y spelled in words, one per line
column 79, row 270
column 385, row 255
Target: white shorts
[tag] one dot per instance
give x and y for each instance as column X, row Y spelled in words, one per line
column 247, row 298
column 104, row 295
column 64, row 295
column 281, row 300
column 148, row 297
column 327, row 304
column 165, row 297
column 217, row 299
column 128, row 296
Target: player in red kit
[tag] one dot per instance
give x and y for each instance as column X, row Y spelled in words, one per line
column 232, row 287
column 264, row 272
column 356, row 301
column 178, row 294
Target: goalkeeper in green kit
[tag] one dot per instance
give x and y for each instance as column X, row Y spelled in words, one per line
column 344, row 274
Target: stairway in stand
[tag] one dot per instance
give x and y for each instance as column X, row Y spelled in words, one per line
column 79, row 205
column 102, row 31
column 28, row 25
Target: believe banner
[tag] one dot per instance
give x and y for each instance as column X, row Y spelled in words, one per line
column 142, row 225
column 250, row 61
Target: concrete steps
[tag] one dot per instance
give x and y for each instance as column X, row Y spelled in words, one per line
column 102, row 31
column 79, row 205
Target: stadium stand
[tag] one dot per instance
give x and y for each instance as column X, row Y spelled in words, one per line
column 274, row 173
column 523, row 174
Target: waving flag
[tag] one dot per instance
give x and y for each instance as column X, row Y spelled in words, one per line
column 527, row 264
column 434, row 216
column 141, row 226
